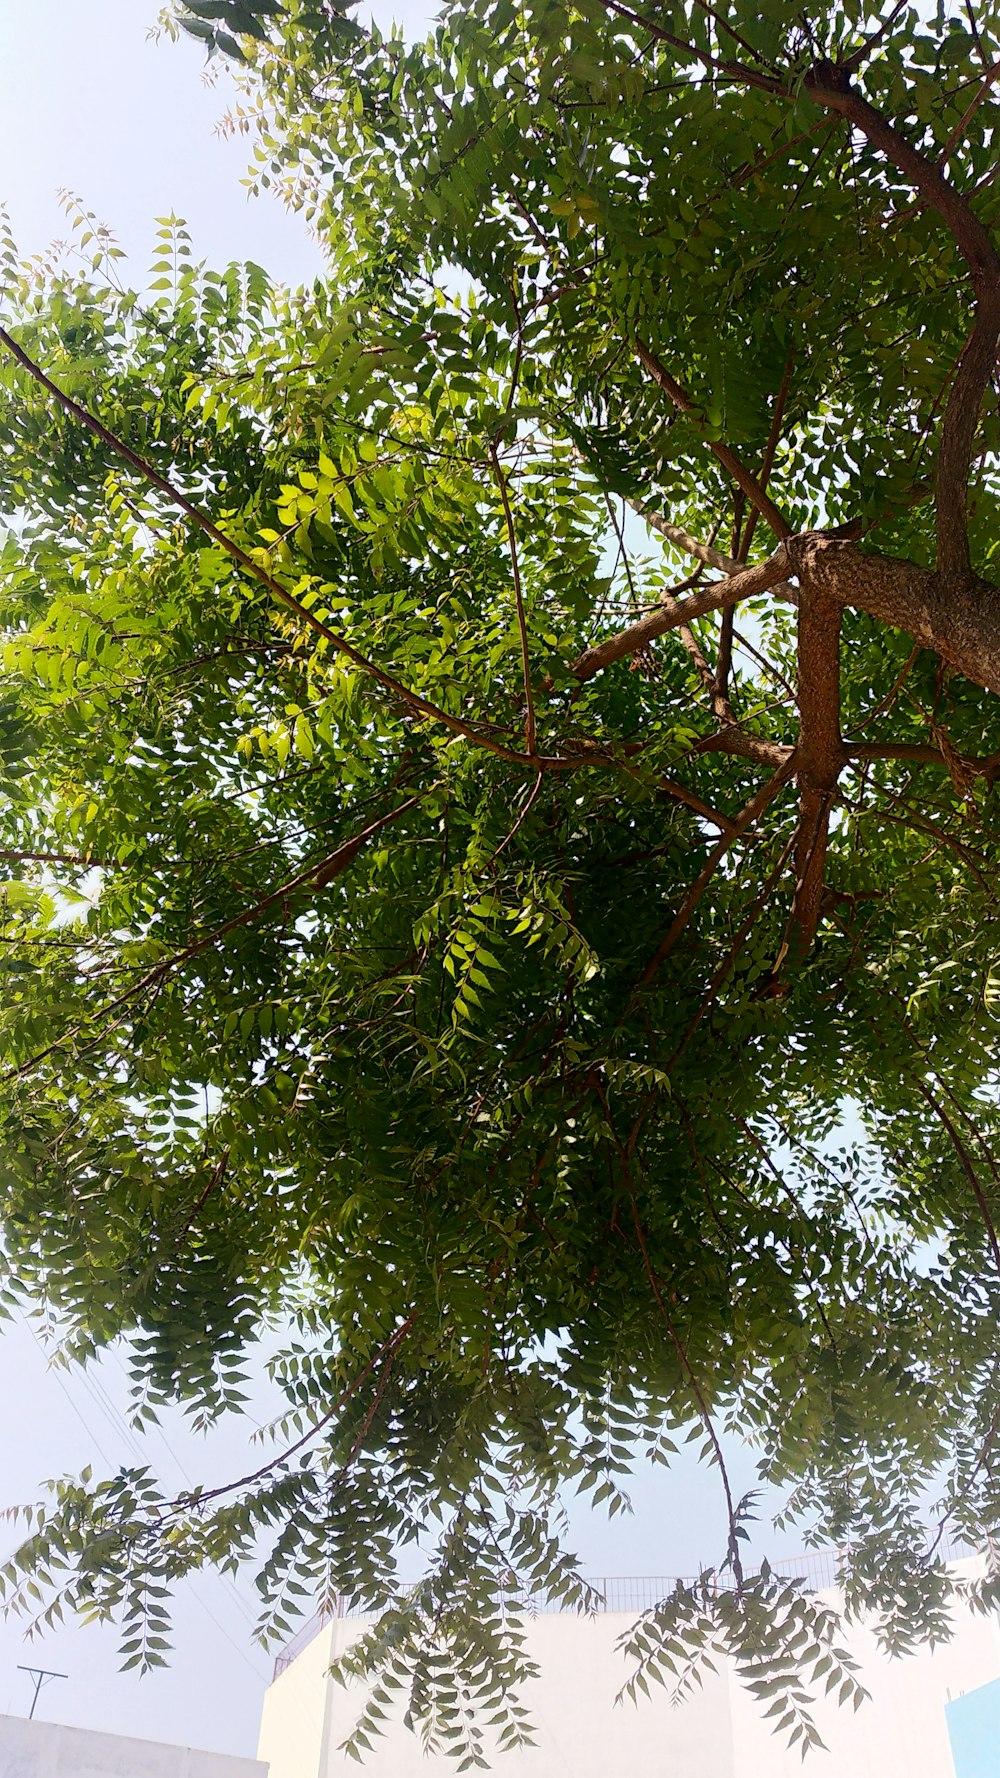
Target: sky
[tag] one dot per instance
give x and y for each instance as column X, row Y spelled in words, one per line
column 91, row 104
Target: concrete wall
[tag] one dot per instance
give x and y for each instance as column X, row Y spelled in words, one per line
column 295, row 1722
column 718, row 1733
column 904, row 1730
column 48, row 1750
column 579, row 1731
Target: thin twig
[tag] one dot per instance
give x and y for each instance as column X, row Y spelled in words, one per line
column 770, row 450
column 388, row 1347
column 742, row 476
column 966, row 1163
column 317, row 874
column 969, row 113
column 732, row 954
column 705, row 1416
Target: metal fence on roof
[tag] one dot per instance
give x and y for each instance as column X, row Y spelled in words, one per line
column 626, row 1593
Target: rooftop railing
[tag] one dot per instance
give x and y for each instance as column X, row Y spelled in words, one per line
column 625, row 1593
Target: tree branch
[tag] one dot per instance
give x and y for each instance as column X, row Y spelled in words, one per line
column 316, row 875
column 704, row 552
column 420, row 706
column 969, row 113
column 923, row 753
column 733, row 70
column 819, row 756
column 672, row 613
column 770, row 450
column 742, row 476
column 680, row 794
column 388, row 1349
column 718, row 696
column 529, row 717
column 830, row 86
column 743, row 746
column 961, row 624
column 747, row 818
column 733, row 952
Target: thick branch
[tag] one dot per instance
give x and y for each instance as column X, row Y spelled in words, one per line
column 961, row 624
column 672, row 613
column 924, row 754
column 958, row 436
column 740, row 745
column 704, row 552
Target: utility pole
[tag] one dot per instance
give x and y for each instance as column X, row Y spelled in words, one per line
column 39, row 1675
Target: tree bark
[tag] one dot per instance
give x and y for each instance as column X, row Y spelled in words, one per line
column 960, row 623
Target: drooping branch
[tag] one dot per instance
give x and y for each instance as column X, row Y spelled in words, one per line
column 965, row 1161
column 387, row 1349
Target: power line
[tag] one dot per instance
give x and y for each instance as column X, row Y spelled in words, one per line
column 113, row 1413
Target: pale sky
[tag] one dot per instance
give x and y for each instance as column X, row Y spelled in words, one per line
column 90, row 104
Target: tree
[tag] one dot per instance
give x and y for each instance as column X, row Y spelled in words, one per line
column 501, row 758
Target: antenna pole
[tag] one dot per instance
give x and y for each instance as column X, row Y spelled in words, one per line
column 39, row 1675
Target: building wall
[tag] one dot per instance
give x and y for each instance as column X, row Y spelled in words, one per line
column 48, row 1750
column 974, row 1731
column 294, row 1726
column 903, row 1730
column 579, row 1731
column 718, row 1732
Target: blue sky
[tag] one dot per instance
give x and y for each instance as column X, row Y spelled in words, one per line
column 129, row 126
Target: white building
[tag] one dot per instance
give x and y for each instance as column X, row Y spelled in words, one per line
column 718, row 1733
column 48, row 1750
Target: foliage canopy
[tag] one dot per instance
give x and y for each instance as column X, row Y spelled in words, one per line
column 500, row 756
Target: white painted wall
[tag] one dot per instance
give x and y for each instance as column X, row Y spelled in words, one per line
column 580, row 1733
column 903, row 1731
column 48, row 1750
